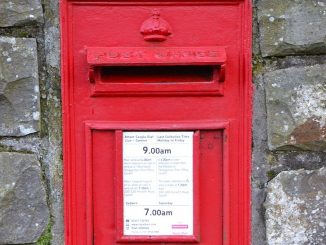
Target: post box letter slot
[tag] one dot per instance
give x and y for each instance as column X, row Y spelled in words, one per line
column 190, row 70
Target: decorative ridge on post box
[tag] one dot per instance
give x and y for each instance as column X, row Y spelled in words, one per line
column 133, row 56
column 160, row 70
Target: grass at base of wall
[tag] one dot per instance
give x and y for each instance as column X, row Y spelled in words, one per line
column 46, row 237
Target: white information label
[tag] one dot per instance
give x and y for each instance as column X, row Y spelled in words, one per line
column 158, row 183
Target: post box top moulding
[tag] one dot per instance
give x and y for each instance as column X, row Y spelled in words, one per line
column 156, row 1
column 134, row 67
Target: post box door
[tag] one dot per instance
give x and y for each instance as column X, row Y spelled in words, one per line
column 156, row 105
column 207, row 205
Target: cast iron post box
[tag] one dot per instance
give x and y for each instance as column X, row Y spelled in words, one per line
column 156, row 104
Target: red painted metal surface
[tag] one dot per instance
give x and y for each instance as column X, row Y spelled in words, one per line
column 156, row 66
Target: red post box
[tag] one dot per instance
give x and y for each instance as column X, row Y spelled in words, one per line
column 157, row 121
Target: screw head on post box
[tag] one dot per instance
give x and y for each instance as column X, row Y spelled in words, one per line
column 155, row 29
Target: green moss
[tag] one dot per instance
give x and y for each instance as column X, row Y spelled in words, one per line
column 51, row 105
column 28, row 31
column 46, row 237
column 43, row 122
column 271, row 174
column 271, row 159
column 21, row 33
column 257, row 64
column 5, row 148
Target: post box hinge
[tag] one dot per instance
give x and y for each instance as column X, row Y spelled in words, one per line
column 91, row 75
column 222, row 72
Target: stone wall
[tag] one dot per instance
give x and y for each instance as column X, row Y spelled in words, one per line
column 30, row 123
column 289, row 123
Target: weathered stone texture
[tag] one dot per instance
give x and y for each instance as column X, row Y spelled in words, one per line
column 20, row 12
column 19, row 88
column 292, row 27
column 296, row 108
column 31, row 144
column 289, row 160
column 259, row 165
column 289, row 44
column 53, row 159
column 296, row 207
column 24, row 213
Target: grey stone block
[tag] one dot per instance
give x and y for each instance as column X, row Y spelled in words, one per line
column 19, row 88
column 259, row 163
column 53, row 159
column 295, row 208
column 292, row 27
column 290, row 160
column 18, row 12
column 24, row 214
column 296, row 108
